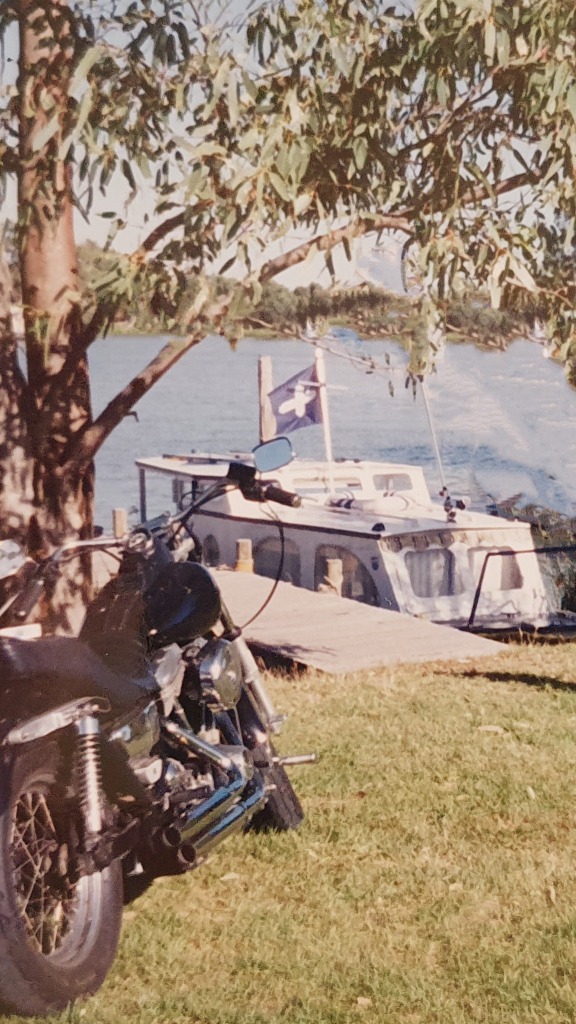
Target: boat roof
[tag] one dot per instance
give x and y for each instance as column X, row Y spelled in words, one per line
column 194, row 464
column 348, row 495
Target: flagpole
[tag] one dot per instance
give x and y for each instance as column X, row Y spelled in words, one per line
column 323, row 395
column 267, row 419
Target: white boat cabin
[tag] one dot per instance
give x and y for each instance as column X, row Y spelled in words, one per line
column 372, row 531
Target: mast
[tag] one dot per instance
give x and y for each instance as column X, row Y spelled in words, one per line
column 434, row 439
column 323, row 396
column 265, row 386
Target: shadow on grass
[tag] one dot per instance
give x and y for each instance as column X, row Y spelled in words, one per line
column 526, row 678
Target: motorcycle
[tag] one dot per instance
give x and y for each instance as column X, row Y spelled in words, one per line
column 127, row 753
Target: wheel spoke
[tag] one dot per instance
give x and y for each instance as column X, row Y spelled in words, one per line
column 46, row 904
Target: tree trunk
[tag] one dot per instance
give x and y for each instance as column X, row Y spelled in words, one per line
column 16, row 494
column 58, row 393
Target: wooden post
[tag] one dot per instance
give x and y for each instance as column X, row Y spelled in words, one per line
column 244, row 560
column 334, row 575
column 119, row 522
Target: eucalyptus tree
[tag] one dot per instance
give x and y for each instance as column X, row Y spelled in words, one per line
column 450, row 123
column 453, row 124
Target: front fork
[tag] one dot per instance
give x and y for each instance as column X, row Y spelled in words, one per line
column 251, row 675
column 271, row 719
column 253, row 682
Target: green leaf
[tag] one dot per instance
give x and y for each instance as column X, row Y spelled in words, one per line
column 360, row 150
column 229, row 263
column 128, row 174
column 42, row 137
column 490, row 39
column 78, row 80
column 279, row 185
column 233, row 101
column 571, row 100
column 184, row 39
column 522, row 275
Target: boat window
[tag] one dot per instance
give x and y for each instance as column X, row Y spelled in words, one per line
column 357, row 582
column 393, row 482
column 210, row 550
column 502, row 571
column 185, row 491
column 267, row 560
column 433, row 573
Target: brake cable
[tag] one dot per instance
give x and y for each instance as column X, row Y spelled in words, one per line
column 279, row 572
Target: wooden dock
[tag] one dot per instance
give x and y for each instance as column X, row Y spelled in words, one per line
column 337, row 635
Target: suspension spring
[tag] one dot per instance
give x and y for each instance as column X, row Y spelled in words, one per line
column 89, row 769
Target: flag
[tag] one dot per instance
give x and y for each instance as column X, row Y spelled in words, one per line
column 296, row 403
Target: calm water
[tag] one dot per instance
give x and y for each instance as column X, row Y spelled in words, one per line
column 505, row 421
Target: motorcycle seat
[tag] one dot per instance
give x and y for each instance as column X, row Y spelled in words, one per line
column 62, row 669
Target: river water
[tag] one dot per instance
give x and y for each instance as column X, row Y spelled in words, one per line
column 505, row 422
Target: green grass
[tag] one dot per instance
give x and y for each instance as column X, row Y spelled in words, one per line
column 434, row 879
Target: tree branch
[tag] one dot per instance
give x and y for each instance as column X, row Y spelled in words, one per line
column 87, row 442
column 325, row 243
column 479, row 193
column 102, row 318
column 384, row 222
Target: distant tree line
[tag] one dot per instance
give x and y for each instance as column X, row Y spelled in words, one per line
column 372, row 311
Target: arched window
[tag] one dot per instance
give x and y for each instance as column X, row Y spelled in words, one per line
column 357, row 582
column 502, row 570
column 210, row 550
column 267, row 560
column 433, row 573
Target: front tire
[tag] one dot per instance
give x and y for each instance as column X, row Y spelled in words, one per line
column 58, row 935
column 282, row 810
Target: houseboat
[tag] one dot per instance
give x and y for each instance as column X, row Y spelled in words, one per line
column 368, row 530
column 372, row 532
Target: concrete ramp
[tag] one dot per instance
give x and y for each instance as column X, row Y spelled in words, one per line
column 337, row 635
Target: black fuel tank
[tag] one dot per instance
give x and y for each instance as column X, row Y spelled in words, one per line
column 183, row 603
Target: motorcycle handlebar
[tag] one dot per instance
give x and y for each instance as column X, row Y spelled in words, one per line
column 273, row 493
column 243, row 477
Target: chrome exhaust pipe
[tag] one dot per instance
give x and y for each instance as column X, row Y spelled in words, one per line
column 233, row 821
column 183, row 847
column 211, row 810
column 221, row 814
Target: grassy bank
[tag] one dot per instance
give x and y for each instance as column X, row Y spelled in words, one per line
column 434, row 879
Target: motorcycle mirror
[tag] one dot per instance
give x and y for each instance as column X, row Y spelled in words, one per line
column 273, row 454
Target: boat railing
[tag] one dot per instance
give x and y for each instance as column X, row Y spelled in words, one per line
column 512, row 553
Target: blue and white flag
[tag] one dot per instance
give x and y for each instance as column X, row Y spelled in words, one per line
column 296, row 403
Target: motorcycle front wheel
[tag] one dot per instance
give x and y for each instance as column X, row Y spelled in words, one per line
column 282, row 810
column 58, row 934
